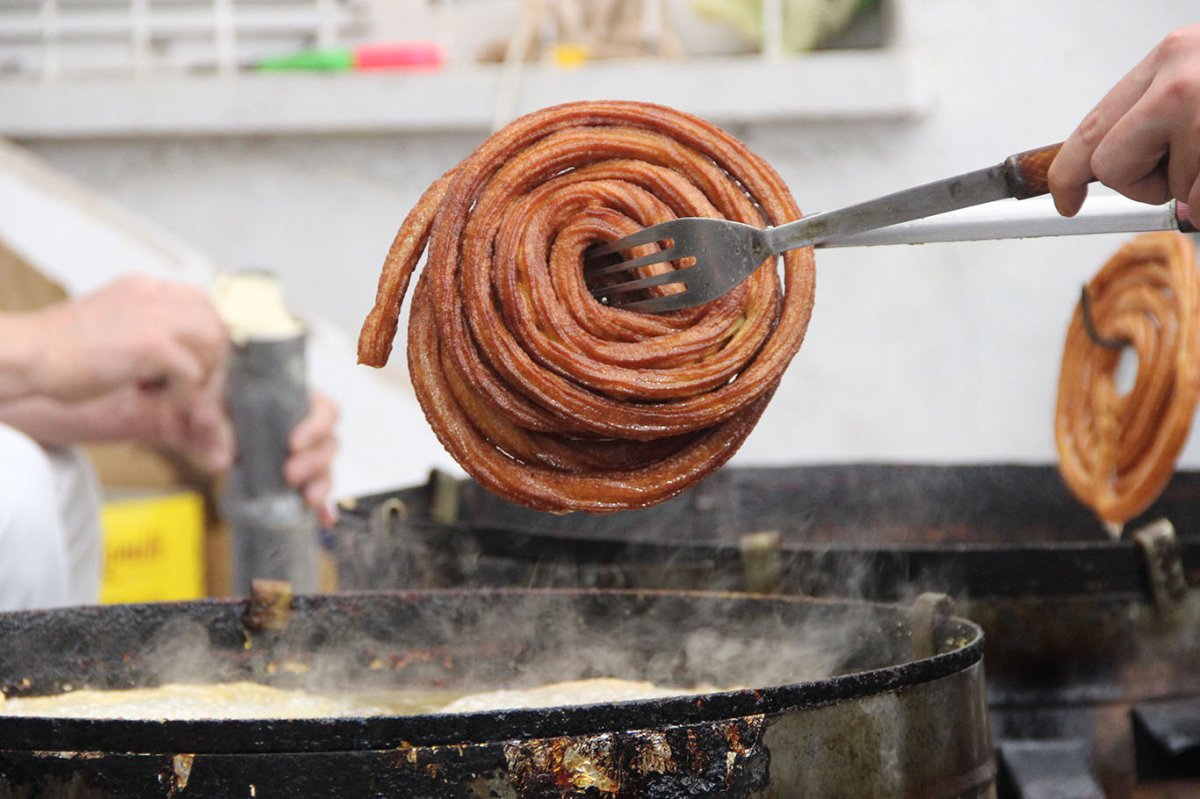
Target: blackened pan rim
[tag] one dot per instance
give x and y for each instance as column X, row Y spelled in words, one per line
column 971, row 492
column 280, row 736
column 603, row 545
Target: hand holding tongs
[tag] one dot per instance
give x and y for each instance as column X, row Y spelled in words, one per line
column 726, row 253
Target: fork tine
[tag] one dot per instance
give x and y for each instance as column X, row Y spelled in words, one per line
column 644, row 236
column 669, row 254
column 664, row 304
column 674, row 276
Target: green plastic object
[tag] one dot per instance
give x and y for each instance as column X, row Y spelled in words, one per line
column 336, row 59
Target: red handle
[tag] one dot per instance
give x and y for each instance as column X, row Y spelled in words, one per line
column 1027, row 174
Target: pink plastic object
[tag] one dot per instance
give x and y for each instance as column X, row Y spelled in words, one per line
column 398, row 55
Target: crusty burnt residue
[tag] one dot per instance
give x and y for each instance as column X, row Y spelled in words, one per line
column 726, row 758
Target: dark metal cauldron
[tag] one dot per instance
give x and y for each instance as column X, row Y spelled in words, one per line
column 837, row 699
column 1092, row 643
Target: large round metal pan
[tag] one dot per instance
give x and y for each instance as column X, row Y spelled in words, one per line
column 826, row 698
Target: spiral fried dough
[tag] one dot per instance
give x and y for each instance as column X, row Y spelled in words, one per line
column 544, row 395
column 1117, row 451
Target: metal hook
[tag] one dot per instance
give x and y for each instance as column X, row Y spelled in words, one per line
column 1089, row 327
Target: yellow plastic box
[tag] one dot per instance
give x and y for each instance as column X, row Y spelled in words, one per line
column 153, row 548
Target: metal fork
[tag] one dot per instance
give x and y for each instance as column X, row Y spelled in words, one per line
column 722, row 253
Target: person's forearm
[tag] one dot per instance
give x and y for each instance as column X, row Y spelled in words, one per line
column 57, row 424
column 20, row 357
column 129, row 414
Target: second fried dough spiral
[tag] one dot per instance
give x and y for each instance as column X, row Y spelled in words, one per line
column 544, row 395
column 1117, row 451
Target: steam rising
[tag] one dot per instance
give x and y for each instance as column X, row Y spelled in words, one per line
column 523, row 644
column 454, row 643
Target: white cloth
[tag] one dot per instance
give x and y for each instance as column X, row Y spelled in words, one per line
column 50, row 546
column 79, row 497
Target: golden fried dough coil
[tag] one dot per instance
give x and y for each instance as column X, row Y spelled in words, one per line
column 544, row 395
column 1118, row 450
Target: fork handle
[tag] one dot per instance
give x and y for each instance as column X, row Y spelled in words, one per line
column 1027, row 174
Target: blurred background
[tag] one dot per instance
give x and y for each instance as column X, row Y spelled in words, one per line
column 183, row 137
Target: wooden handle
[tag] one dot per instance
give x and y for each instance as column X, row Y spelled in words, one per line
column 1028, row 174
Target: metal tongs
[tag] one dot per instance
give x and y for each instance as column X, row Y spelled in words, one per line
column 722, row 253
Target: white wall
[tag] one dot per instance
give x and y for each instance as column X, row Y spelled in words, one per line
column 940, row 352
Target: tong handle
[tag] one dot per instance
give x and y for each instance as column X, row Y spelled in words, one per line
column 1183, row 215
column 1034, row 219
column 1027, row 174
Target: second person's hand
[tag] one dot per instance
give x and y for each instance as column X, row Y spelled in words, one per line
column 313, row 446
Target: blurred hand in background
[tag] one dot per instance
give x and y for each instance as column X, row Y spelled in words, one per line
column 134, row 331
column 144, row 360
column 313, row 447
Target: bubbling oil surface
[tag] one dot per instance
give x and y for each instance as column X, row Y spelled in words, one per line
column 251, row 700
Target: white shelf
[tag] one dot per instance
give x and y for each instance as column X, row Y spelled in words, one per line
column 843, row 84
